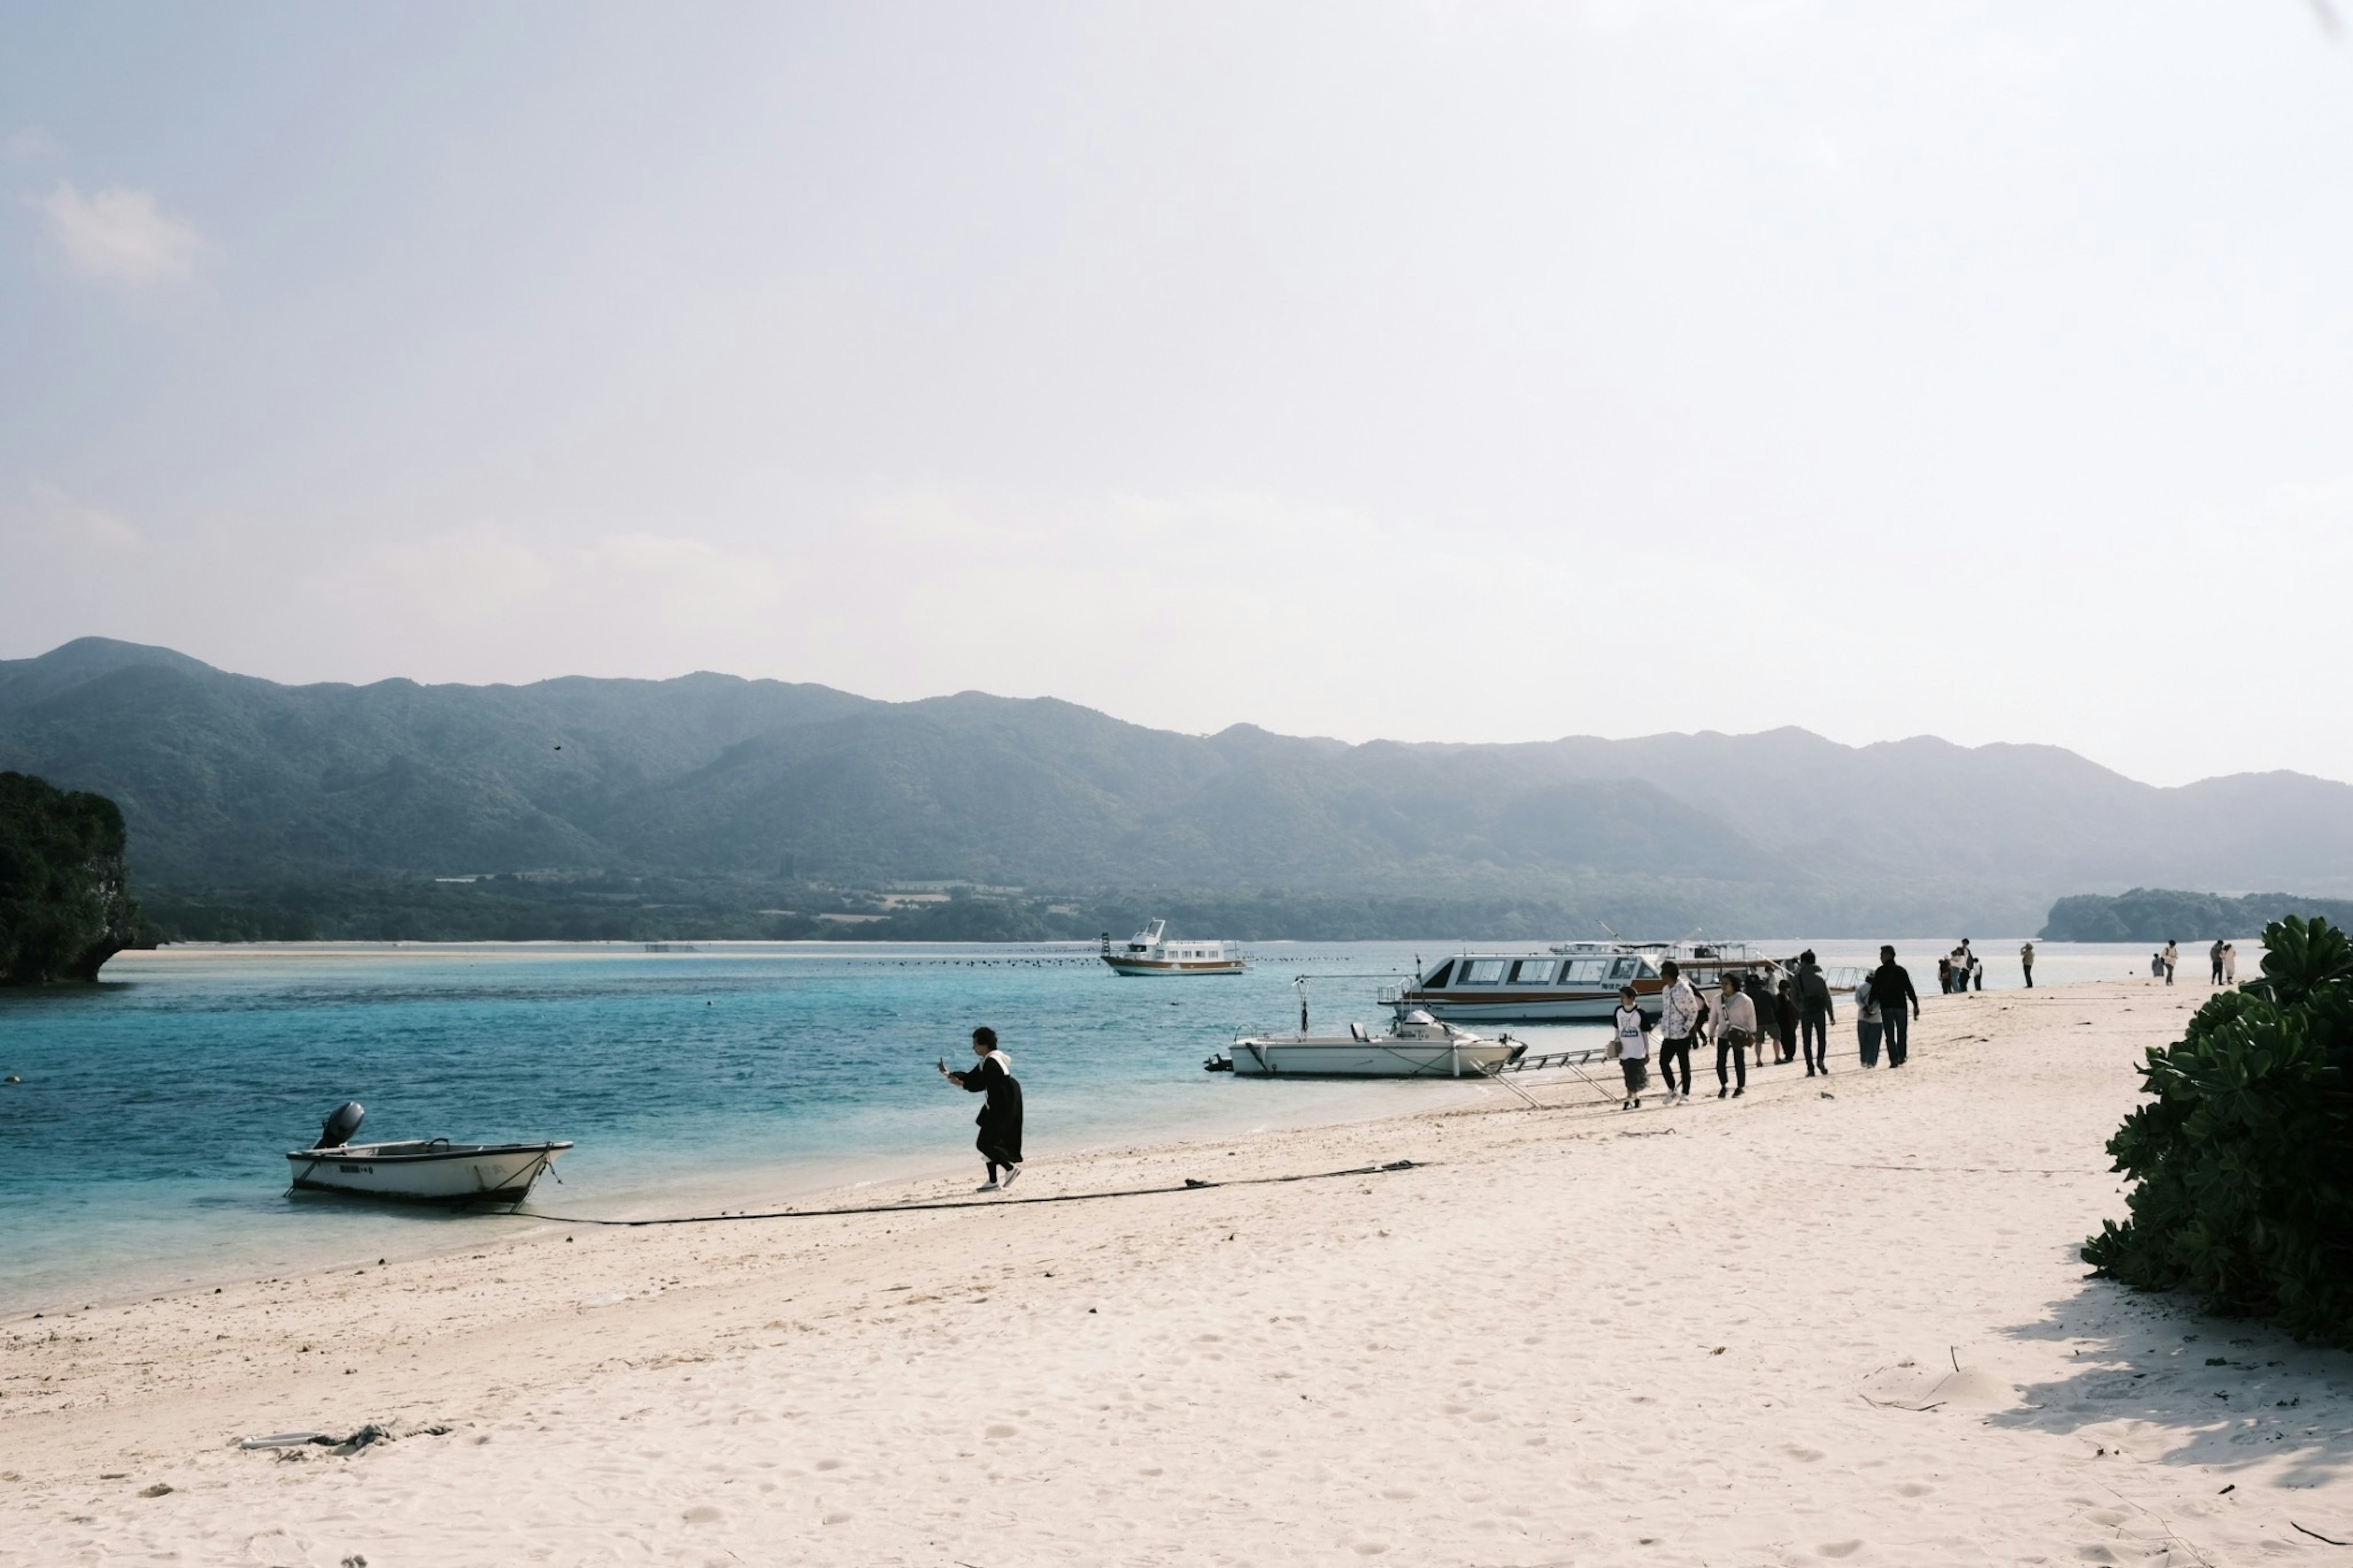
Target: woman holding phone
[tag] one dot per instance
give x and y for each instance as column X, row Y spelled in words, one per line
column 1000, row 1114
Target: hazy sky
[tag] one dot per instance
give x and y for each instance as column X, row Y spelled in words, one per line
column 1436, row 371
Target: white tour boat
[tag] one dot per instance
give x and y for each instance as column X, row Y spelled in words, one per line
column 1572, row 981
column 418, row 1171
column 1415, row 1046
column 1153, row 952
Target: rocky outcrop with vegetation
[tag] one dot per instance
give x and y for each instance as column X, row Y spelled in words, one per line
column 64, row 900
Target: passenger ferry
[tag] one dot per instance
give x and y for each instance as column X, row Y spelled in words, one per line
column 1571, row 982
column 1153, row 951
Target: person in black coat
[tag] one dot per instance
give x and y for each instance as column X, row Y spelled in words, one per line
column 1890, row 988
column 1000, row 1114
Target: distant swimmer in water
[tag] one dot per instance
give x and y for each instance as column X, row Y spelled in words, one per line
column 1001, row 1115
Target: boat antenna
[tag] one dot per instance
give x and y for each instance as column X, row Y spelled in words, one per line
column 1605, row 926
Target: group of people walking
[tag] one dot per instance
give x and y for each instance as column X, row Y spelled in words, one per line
column 1741, row 1014
column 1962, row 970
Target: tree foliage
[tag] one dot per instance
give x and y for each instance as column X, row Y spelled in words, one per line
column 2242, row 1157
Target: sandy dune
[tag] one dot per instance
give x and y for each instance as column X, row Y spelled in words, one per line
column 1789, row 1328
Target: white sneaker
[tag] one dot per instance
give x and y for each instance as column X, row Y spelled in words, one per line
column 986, row 1187
column 1011, row 1176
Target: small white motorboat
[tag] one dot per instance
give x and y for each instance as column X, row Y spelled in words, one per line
column 418, row 1171
column 1415, row 1046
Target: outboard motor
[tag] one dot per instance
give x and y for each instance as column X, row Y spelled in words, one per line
column 341, row 1125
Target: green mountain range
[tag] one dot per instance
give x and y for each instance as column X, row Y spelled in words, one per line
column 718, row 794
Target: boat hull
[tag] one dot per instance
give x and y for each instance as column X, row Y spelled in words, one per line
column 1156, row 966
column 446, row 1173
column 1370, row 1058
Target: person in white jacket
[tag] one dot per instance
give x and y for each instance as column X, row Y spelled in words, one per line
column 1735, row 1030
column 1679, row 1014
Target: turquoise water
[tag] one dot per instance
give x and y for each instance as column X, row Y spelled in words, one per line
column 144, row 1149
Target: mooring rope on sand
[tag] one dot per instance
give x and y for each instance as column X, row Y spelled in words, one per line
column 1190, row 1185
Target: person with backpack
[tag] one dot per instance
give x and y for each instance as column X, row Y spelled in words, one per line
column 1785, row 1020
column 2026, row 963
column 1760, row 999
column 1866, row 1024
column 1891, row 987
column 1815, row 1014
column 1680, row 1011
column 1633, row 1049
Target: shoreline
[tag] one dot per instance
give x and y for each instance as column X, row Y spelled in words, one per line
column 772, row 1183
column 1807, row 1324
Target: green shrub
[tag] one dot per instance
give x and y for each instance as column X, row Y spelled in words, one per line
column 2244, row 1157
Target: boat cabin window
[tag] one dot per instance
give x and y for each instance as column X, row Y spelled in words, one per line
column 1585, row 970
column 1623, row 969
column 1533, row 971
column 1483, row 971
column 1445, row 971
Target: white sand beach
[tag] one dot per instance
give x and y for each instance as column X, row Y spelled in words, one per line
column 1838, row 1320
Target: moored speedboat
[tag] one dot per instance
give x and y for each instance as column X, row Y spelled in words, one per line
column 1574, row 982
column 421, row 1170
column 1152, row 951
column 1415, row 1046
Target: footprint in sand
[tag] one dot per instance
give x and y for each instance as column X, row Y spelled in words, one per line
column 1840, row 1549
column 703, row 1514
column 1003, row 1432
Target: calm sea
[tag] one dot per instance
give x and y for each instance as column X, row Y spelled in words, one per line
column 144, row 1149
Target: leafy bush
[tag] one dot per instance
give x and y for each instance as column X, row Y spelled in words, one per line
column 2242, row 1157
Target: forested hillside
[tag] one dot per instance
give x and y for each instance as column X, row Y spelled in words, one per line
column 722, row 795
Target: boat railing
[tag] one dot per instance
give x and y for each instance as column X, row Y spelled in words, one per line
column 1531, row 1062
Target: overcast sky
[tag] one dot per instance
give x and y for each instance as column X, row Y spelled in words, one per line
column 1434, row 371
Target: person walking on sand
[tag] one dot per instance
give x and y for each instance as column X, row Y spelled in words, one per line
column 1760, row 997
column 1785, row 1020
column 1679, row 1011
column 2172, row 957
column 2230, row 964
column 1735, row 1030
column 2026, row 963
column 1816, row 1013
column 1000, row 1114
column 1866, row 1024
column 1633, row 1049
column 2214, row 963
column 1891, row 986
